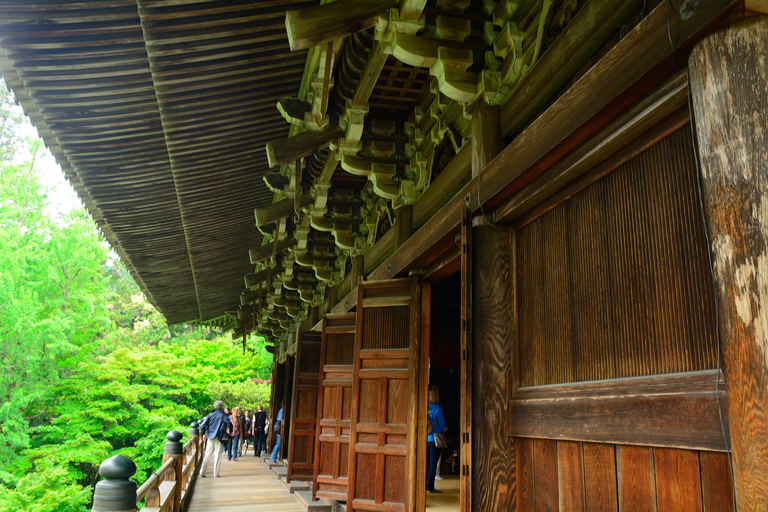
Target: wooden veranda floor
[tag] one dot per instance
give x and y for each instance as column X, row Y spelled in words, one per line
column 245, row 485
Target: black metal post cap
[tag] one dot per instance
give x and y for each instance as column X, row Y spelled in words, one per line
column 116, row 492
column 173, row 446
column 194, row 429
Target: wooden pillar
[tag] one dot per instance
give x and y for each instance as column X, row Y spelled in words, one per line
column 403, row 224
column 357, row 270
column 486, row 137
column 175, row 450
column 729, row 86
column 492, row 309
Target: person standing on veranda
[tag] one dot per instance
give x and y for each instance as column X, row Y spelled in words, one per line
column 234, row 420
column 213, row 426
column 278, row 429
column 259, row 434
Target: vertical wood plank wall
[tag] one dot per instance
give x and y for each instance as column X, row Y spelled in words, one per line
column 612, row 283
column 615, row 282
column 573, row 476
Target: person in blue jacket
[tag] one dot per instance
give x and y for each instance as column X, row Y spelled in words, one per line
column 436, row 425
column 278, row 420
column 213, row 426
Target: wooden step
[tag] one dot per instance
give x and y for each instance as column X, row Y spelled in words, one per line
column 305, row 500
column 294, row 485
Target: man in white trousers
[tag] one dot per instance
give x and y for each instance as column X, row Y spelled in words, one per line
column 214, row 425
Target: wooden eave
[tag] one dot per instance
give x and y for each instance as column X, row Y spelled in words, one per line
column 158, row 114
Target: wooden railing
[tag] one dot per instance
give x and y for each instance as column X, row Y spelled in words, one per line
column 168, row 489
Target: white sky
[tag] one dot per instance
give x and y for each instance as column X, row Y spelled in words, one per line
column 62, row 196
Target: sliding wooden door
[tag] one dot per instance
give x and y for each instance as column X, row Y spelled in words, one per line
column 383, row 440
column 334, row 407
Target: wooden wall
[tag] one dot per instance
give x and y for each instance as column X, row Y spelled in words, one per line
column 611, row 285
column 615, row 281
column 572, row 476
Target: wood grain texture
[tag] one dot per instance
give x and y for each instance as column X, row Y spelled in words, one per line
column 570, row 477
column 524, row 491
column 729, row 80
column 303, row 418
column 545, row 475
column 466, row 375
column 616, row 280
column 716, row 482
column 384, row 384
column 678, row 479
column 493, row 470
column 600, row 489
column 677, row 410
column 637, row 489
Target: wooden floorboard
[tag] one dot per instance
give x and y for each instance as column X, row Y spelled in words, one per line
column 448, row 499
column 243, row 485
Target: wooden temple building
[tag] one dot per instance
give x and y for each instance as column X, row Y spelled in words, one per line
column 556, row 211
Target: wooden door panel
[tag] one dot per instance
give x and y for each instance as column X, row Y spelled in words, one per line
column 334, row 407
column 301, row 447
column 384, row 405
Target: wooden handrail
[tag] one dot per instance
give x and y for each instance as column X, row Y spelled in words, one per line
column 154, row 480
column 169, row 488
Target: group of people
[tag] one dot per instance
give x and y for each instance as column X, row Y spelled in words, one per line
column 243, row 427
column 240, row 428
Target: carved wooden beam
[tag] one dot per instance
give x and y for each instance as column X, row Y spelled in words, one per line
column 262, row 253
column 277, row 211
column 254, row 279
column 294, row 110
column 304, row 144
column 324, row 23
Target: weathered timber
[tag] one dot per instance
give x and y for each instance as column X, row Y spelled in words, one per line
column 334, row 407
column 678, row 479
column 303, row 420
column 757, row 5
column 318, row 25
column 445, row 266
column 277, row 211
column 384, row 405
column 403, row 224
column 613, row 137
column 255, row 279
column 486, row 137
column 304, row 144
column 676, row 410
column 266, row 251
column 493, row 470
column 369, row 76
column 467, row 358
column 581, row 38
column 623, row 78
column 294, row 110
column 729, row 80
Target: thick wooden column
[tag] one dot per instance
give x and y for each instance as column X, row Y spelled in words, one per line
column 729, row 85
column 493, row 311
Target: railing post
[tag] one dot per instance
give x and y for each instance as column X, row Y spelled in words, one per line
column 174, row 449
column 191, row 459
column 116, row 493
